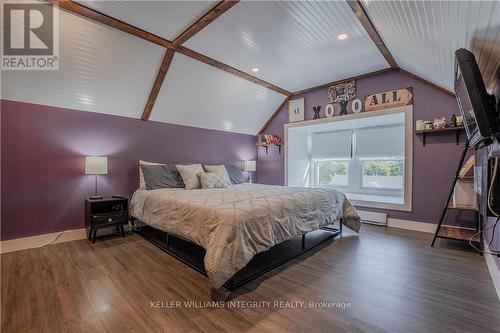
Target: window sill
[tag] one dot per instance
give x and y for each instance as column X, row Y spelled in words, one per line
column 378, row 201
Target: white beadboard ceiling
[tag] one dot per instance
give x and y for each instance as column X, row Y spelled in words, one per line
column 167, row 19
column 294, row 44
column 198, row 95
column 100, row 70
column 423, row 35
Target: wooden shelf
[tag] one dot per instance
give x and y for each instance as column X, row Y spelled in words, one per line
column 446, row 129
column 267, row 145
column 457, row 233
column 424, row 133
column 463, row 207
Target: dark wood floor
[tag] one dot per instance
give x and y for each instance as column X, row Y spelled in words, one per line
column 393, row 280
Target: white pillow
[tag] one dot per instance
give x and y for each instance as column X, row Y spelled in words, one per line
column 189, row 174
column 218, row 169
column 142, row 182
column 213, row 180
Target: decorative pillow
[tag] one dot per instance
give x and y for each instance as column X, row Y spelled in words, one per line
column 213, row 180
column 142, row 183
column 189, row 174
column 235, row 174
column 161, row 176
column 218, row 168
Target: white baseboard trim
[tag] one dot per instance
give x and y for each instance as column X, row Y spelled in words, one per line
column 24, row 243
column 412, row 225
column 494, row 272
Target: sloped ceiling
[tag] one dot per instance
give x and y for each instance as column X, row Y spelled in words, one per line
column 423, row 35
column 294, row 44
column 195, row 94
column 100, row 70
column 167, row 19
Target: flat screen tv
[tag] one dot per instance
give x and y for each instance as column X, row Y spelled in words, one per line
column 476, row 105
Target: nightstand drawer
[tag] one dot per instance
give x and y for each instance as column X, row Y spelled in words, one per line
column 105, row 219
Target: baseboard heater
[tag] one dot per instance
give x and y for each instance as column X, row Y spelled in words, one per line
column 373, row 218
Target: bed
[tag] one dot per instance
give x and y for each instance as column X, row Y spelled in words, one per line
column 235, row 224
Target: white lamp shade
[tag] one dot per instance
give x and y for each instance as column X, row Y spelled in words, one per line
column 250, row 166
column 96, row 165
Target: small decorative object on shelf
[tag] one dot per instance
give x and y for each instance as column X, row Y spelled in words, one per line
column 329, row 110
column 267, row 140
column 453, row 121
column 342, row 93
column 389, row 99
column 439, row 123
column 356, row 106
column 419, row 125
column 316, row 110
column 105, row 213
column 296, row 110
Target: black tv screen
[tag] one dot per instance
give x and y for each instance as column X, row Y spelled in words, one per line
column 476, row 105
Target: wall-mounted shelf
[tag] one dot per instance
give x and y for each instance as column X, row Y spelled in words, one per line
column 258, row 144
column 424, row 133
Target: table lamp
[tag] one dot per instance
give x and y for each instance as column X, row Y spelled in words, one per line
column 250, row 166
column 96, row 165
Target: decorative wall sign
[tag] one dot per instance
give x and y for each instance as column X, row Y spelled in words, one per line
column 389, row 99
column 329, row 110
column 316, row 110
column 296, row 110
column 356, row 106
column 342, row 93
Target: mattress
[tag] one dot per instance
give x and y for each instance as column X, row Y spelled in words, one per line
column 236, row 223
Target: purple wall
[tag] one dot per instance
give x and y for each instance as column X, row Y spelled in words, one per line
column 433, row 165
column 494, row 150
column 43, row 186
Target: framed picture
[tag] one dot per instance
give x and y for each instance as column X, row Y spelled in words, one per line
column 296, row 110
column 342, row 92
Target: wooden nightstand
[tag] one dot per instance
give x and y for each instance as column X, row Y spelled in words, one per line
column 105, row 213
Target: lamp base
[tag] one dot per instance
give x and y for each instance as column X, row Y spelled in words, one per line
column 95, row 197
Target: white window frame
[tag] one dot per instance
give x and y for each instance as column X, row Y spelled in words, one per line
column 408, row 158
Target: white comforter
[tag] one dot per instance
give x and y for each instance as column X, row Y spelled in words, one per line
column 236, row 223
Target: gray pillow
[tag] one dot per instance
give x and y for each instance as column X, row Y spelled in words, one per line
column 235, row 174
column 161, row 176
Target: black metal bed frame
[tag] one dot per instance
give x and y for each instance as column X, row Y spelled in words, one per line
column 193, row 255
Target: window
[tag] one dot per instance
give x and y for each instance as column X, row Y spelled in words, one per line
column 383, row 174
column 333, row 172
column 365, row 156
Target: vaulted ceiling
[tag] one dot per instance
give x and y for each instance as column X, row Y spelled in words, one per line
column 113, row 57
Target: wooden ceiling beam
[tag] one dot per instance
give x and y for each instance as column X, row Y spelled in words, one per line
column 215, row 12
column 274, row 115
column 365, row 21
column 209, row 17
column 217, row 64
column 165, row 64
column 93, row 15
